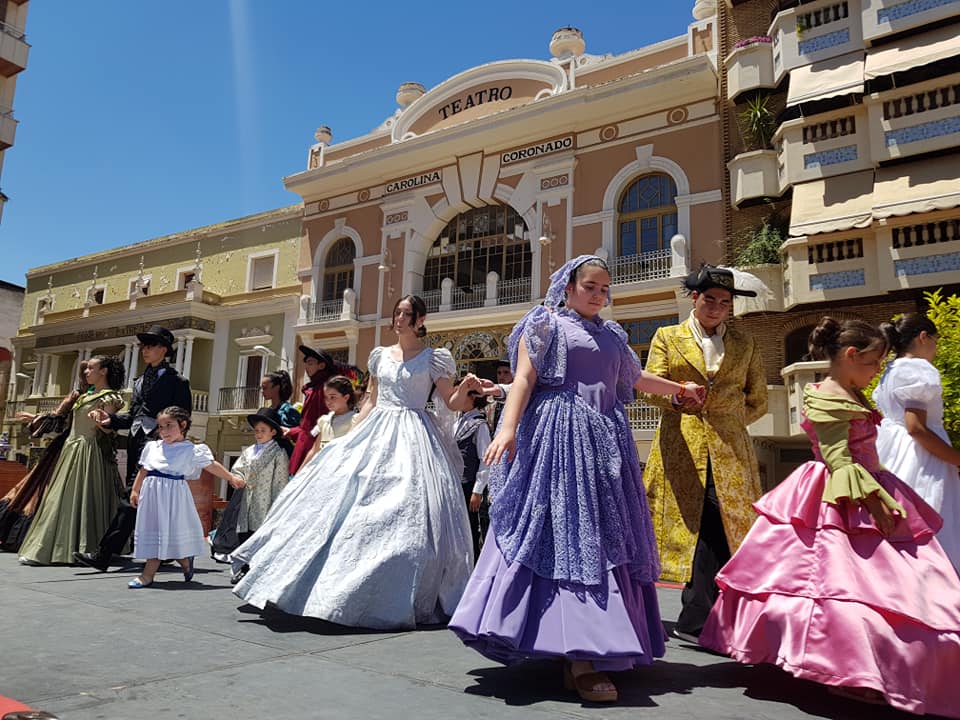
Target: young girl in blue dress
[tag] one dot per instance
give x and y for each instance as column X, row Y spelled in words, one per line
column 569, row 565
column 168, row 525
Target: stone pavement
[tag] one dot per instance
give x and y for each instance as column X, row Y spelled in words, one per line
column 81, row 645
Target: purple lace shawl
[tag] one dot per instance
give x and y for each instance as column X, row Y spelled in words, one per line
column 568, row 515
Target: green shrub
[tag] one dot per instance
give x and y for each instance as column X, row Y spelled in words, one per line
column 945, row 313
column 761, row 245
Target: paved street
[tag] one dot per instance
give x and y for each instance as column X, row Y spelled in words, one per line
column 81, row 645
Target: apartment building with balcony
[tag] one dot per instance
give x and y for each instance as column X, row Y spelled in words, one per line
column 229, row 293
column 862, row 167
column 471, row 193
column 14, row 51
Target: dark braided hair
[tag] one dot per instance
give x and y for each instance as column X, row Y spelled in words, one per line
column 281, row 379
column 904, row 330
column 829, row 338
column 115, row 370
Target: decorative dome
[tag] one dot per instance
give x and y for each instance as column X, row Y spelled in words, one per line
column 408, row 92
column 566, row 42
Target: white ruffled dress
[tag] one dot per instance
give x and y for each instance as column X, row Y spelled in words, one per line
column 913, row 383
column 168, row 526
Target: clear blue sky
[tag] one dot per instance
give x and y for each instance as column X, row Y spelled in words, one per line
column 140, row 118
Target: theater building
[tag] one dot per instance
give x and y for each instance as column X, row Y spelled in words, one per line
column 471, row 193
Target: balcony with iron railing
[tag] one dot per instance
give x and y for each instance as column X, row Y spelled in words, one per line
column 493, row 293
column 239, row 399
column 14, row 50
column 642, row 417
column 653, row 265
column 315, row 312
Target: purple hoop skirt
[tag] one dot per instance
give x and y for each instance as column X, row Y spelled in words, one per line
column 510, row 614
column 818, row 591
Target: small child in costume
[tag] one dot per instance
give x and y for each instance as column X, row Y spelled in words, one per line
column 472, row 435
column 341, row 400
column 841, row 580
column 167, row 522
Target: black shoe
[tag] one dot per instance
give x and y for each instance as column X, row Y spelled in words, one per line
column 686, row 637
column 95, row 560
column 239, row 574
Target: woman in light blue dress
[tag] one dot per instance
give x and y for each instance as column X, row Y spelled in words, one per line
column 372, row 532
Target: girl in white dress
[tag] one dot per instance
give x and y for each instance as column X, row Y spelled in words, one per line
column 341, row 400
column 373, row 532
column 912, row 442
column 168, row 525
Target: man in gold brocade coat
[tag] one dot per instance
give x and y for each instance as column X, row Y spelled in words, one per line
column 702, row 475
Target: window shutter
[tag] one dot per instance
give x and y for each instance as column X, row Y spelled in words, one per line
column 262, row 273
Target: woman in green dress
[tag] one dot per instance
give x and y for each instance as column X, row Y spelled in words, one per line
column 82, row 495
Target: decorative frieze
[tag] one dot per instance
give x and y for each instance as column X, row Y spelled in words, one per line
column 830, row 157
column 395, row 218
column 822, row 42
column 835, row 280
column 948, row 262
column 922, row 131
column 554, row 181
column 908, row 8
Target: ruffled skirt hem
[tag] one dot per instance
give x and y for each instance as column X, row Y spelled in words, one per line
column 510, row 614
column 841, row 644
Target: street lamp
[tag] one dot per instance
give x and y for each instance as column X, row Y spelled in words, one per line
column 267, row 352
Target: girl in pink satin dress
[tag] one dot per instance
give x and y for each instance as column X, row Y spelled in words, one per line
column 841, row 580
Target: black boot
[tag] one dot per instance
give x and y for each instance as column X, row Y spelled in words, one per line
column 96, row 560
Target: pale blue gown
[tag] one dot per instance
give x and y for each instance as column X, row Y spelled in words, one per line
column 373, row 531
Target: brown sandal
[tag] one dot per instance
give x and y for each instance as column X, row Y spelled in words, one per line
column 586, row 685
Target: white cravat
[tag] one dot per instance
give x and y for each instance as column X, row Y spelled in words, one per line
column 711, row 345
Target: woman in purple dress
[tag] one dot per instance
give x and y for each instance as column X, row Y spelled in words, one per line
column 571, row 571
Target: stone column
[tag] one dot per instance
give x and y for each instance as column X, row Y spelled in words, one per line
column 177, row 347
column 187, row 357
column 38, row 373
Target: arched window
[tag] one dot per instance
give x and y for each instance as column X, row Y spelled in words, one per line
column 477, row 242
column 338, row 269
column 648, row 215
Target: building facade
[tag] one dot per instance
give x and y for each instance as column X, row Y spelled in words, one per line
column 14, row 52
column 229, row 293
column 470, row 194
column 858, row 162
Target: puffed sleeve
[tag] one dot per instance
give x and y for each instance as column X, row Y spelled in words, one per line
column 442, row 365
column 201, row 458
column 545, row 344
column 917, row 384
column 848, row 478
column 630, row 367
column 373, row 362
column 148, row 449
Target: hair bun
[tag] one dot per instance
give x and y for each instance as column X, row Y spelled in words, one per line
column 823, row 337
column 422, row 331
column 891, row 332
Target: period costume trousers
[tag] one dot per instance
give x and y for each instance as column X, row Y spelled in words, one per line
column 118, row 535
column 711, row 554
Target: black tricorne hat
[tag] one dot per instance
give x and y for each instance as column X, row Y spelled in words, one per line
column 710, row 276
column 321, row 355
column 269, row 416
column 157, row 335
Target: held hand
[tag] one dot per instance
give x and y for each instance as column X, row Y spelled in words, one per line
column 237, row 482
column 25, row 416
column 134, row 499
column 489, row 387
column 286, row 430
column 100, row 417
column 472, row 382
column 692, row 395
column 504, row 444
column 881, row 514
column 475, row 500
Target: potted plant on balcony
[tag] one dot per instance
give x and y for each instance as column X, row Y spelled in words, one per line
column 758, row 121
column 760, row 245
